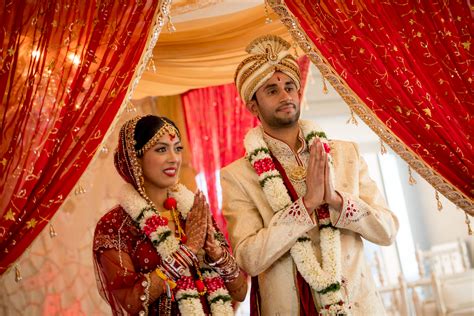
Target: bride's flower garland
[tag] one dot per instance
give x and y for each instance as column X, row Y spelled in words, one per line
column 166, row 244
column 325, row 280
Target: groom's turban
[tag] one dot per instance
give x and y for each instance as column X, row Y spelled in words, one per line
column 269, row 53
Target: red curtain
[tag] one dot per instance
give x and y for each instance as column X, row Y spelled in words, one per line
column 409, row 66
column 65, row 68
column 217, row 121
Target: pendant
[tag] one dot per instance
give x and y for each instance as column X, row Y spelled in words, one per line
column 297, row 173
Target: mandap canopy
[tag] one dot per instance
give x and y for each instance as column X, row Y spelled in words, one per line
column 67, row 70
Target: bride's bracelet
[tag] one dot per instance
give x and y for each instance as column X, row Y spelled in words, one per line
column 175, row 266
column 226, row 266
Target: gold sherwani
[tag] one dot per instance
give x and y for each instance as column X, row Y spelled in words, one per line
column 261, row 239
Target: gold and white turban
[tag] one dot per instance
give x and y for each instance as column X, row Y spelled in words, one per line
column 270, row 53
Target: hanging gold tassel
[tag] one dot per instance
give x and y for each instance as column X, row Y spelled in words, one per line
column 411, row 179
column 104, row 150
column 295, row 48
column 468, row 223
column 383, row 150
column 352, row 119
column 79, row 190
column 151, row 64
column 18, row 277
column 438, row 202
column 170, row 25
column 268, row 19
column 52, row 232
column 325, row 91
column 130, row 107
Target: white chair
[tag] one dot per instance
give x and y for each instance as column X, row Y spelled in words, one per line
column 439, row 261
column 394, row 296
column 443, row 259
column 454, row 294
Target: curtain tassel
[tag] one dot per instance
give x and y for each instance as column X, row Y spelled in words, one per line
column 438, row 202
column 151, row 64
column 130, row 107
column 18, row 276
column 468, row 223
column 411, row 179
column 383, row 150
column 295, row 48
column 325, row 91
column 104, row 150
column 79, row 190
column 52, row 232
column 268, row 19
column 352, row 119
column 170, row 25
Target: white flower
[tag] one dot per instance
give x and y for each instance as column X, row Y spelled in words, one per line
column 132, row 201
column 168, row 246
column 191, row 306
column 222, row 308
column 273, row 191
column 184, row 199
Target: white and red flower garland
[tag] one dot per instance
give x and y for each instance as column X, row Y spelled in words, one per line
column 324, row 278
column 155, row 227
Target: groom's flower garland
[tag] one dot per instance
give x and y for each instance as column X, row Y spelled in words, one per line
column 166, row 244
column 325, row 280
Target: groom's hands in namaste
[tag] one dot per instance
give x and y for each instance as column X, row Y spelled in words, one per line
column 319, row 186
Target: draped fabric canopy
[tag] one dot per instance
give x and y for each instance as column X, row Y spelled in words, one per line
column 410, row 80
column 204, row 52
column 62, row 81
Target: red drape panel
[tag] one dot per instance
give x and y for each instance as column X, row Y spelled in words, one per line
column 217, row 121
column 411, row 64
column 65, row 68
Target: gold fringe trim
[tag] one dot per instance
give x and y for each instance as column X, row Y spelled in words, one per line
column 18, row 276
column 383, row 150
column 79, row 190
column 268, row 19
column 363, row 111
column 325, row 89
column 352, row 119
column 468, row 223
column 438, row 202
column 411, row 179
column 52, row 231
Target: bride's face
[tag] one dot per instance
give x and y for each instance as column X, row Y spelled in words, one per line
column 162, row 162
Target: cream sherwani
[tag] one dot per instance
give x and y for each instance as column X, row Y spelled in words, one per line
column 261, row 239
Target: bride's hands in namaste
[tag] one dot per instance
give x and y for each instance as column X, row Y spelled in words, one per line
column 196, row 223
column 212, row 246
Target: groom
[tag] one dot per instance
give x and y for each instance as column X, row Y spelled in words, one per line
column 297, row 205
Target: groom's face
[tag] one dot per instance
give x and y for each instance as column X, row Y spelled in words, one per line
column 277, row 102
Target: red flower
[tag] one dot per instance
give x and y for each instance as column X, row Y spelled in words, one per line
column 201, row 288
column 263, row 165
column 213, row 284
column 327, row 149
column 170, row 204
column 185, row 283
column 153, row 223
